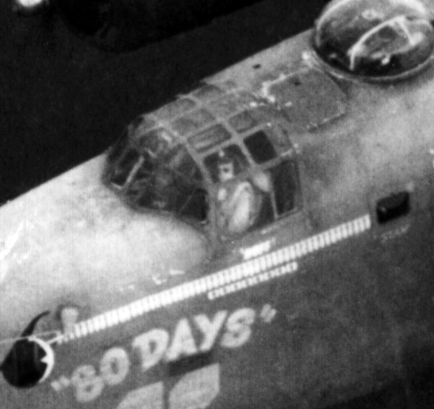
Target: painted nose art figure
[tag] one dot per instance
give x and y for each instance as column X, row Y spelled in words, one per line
column 31, row 359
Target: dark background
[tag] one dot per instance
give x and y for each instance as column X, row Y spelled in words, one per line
column 63, row 102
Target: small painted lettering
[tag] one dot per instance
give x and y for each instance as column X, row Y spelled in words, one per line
column 257, row 249
column 395, row 233
column 253, row 281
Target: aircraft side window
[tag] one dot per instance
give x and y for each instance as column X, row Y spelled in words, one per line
column 284, row 178
column 170, row 183
column 392, row 207
column 236, row 197
column 232, row 153
column 259, row 198
column 190, row 198
column 244, row 204
column 120, row 173
column 118, row 148
column 240, row 201
column 260, row 147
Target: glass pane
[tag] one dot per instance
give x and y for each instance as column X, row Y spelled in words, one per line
column 182, row 164
column 140, row 125
column 141, row 179
column 242, row 122
column 243, row 205
column 285, row 187
column 155, row 192
column 156, row 142
column 117, row 149
column 226, row 163
column 121, row 170
column 192, row 122
column 226, row 106
column 175, row 108
column 257, row 200
column 209, row 138
column 193, row 203
column 208, row 92
column 170, row 182
column 260, row 147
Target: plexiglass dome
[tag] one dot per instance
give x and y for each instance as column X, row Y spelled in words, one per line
column 375, row 38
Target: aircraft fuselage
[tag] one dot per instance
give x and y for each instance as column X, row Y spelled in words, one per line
column 324, row 300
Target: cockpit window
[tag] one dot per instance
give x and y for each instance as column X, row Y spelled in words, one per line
column 141, row 124
column 208, row 92
column 120, row 173
column 209, row 138
column 153, row 172
column 226, row 106
column 173, row 185
column 175, row 108
column 118, row 148
column 155, row 141
column 260, row 147
column 375, row 38
column 242, row 122
column 218, row 163
column 284, row 177
column 192, row 122
column 258, row 199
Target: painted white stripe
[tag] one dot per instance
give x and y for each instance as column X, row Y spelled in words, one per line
column 91, row 326
column 283, row 257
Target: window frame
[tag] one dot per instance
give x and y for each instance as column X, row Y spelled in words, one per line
column 277, row 218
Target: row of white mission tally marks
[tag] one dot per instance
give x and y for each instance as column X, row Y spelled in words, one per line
column 213, row 281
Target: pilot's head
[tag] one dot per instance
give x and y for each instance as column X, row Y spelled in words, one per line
column 225, row 166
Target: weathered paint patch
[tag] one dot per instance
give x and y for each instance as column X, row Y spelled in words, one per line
column 196, row 390
column 151, row 394
column 8, row 247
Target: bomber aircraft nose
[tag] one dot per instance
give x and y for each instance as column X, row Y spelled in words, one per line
column 73, row 242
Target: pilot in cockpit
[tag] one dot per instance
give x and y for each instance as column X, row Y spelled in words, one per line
column 239, row 201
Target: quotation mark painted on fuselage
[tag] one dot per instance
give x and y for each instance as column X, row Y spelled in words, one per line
column 160, row 345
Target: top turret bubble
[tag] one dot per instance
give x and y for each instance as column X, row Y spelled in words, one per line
column 374, row 38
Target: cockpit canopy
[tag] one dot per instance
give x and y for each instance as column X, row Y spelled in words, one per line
column 210, row 157
column 375, row 38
